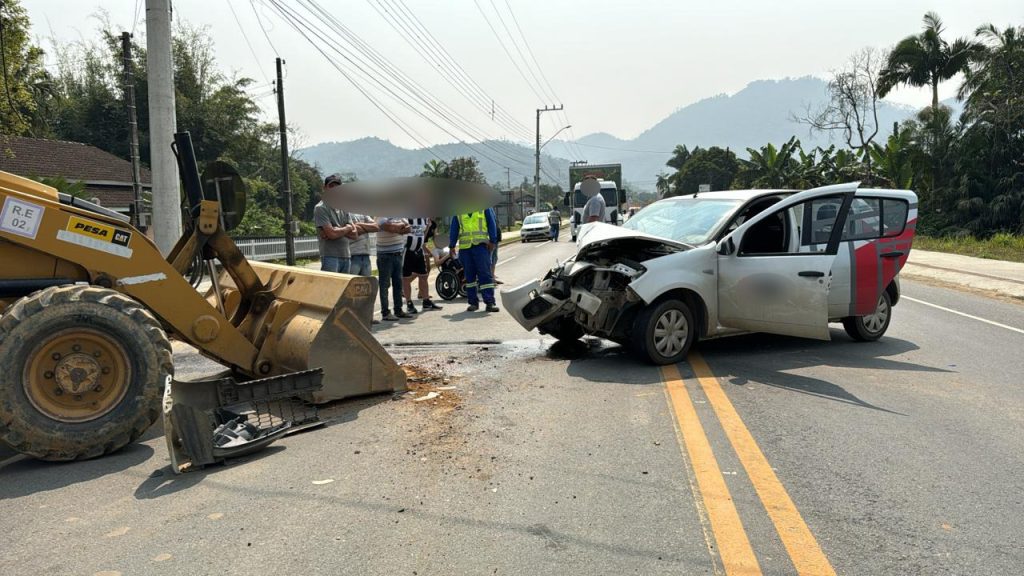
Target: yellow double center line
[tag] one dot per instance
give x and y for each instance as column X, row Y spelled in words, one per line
column 733, row 544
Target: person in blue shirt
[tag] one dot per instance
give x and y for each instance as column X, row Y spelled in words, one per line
column 476, row 234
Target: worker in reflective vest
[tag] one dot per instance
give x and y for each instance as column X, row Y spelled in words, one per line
column 476, row 234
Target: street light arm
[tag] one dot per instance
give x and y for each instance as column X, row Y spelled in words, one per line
column 555, row 134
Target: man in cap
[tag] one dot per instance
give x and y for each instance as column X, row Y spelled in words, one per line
column 334, row 230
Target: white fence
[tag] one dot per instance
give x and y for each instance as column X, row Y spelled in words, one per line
column 272, row 248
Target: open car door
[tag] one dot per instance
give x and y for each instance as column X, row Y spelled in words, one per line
column 879, row 232
column 775, row 271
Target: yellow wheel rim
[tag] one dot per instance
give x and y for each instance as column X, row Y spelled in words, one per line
column 77, row 375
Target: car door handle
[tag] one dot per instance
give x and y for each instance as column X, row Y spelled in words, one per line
column 811, row 273
column 893, row 254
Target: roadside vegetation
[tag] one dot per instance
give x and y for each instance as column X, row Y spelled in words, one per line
column 967, row 169
column 997, row 247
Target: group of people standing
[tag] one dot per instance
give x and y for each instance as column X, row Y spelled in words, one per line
column 403, row 253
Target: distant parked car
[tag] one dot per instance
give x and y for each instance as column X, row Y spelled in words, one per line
column 535, row 227
column 719, row 263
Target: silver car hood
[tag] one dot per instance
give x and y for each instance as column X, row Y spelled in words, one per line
column 598, row 233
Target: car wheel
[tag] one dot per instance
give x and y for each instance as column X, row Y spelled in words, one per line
column 664, row 332
column 872, row 326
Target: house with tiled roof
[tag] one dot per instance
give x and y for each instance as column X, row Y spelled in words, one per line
column 107, row 178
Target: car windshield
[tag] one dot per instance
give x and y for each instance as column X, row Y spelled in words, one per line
column 536, row 219
column 688, row 220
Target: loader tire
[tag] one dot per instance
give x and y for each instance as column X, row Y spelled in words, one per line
column 83, row 372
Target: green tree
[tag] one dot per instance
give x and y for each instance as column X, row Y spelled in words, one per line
column 435, row 169
column 771, row 167
column 465, row 168
column 715, row 166
column 925, row 59
column 894, row 161
column 26, row 86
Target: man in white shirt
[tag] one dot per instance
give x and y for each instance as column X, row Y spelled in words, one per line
column 594, row 209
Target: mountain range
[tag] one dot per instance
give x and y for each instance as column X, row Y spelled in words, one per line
column 762, row 112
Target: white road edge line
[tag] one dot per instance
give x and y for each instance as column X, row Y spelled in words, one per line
column 964, row 314
column 505, row 260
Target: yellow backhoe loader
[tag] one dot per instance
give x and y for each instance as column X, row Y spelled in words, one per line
column 88, row 303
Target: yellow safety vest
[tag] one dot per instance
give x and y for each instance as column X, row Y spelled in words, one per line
column 472, row 230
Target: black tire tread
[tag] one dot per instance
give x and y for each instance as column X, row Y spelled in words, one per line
column 23, row 441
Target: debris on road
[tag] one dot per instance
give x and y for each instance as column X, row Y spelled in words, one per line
column 427, row 385
column 322, row 482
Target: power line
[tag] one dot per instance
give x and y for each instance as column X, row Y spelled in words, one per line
column 135, row 22
column 625, row 149
column 571, row 146
column 247, row 43
column 507, row 52
column 408, row 131
column 406, row 28
column 403, row 83
column 394, row 84
column 547, row 97
column 252, row 3
column 499, row 110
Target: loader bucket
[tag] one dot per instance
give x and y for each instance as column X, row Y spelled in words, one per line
column 319, row 320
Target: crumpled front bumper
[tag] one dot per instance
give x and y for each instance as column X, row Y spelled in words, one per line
column 529, row 306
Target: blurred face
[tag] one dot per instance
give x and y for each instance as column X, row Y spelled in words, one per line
column 331, row 193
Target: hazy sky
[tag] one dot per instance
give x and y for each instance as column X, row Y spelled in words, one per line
column 617, row 67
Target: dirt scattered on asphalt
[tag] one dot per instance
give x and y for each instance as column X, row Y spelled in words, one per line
column 422, row 381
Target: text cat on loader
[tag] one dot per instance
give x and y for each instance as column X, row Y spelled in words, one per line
column 88, row 302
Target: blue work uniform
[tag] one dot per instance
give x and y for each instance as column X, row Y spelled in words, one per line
column 471, row 232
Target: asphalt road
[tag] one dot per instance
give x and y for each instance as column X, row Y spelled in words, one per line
column 762, row 454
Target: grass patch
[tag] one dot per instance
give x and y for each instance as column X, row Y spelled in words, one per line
column 999, row 247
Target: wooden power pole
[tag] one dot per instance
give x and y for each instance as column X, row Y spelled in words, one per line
column 286, row 182
column 133, row 128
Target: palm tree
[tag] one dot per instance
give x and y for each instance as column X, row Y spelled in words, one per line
column 925, row 59
column 995, row 67
column 435, row 169
column 663, row 185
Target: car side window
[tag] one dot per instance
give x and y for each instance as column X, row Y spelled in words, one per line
column 894, row 216
column 872, row 218
column 803, row 228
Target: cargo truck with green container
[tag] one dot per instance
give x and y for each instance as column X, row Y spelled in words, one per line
column 610, row 178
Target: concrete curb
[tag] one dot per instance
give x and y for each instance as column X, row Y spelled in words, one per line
column 997, row 277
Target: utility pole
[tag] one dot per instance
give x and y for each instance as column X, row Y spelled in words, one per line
column 536, row 165
column 162, row 125
column 286, row 181
column 133, row 129
column 508, row 177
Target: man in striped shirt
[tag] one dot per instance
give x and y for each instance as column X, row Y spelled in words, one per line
column 415, row 265
column 390, row 248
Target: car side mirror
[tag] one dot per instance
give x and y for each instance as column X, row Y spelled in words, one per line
column 726, row 246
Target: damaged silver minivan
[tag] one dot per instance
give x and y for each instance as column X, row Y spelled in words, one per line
column 719, row 263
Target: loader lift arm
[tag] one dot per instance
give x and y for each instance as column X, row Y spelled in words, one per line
column 93, row 353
